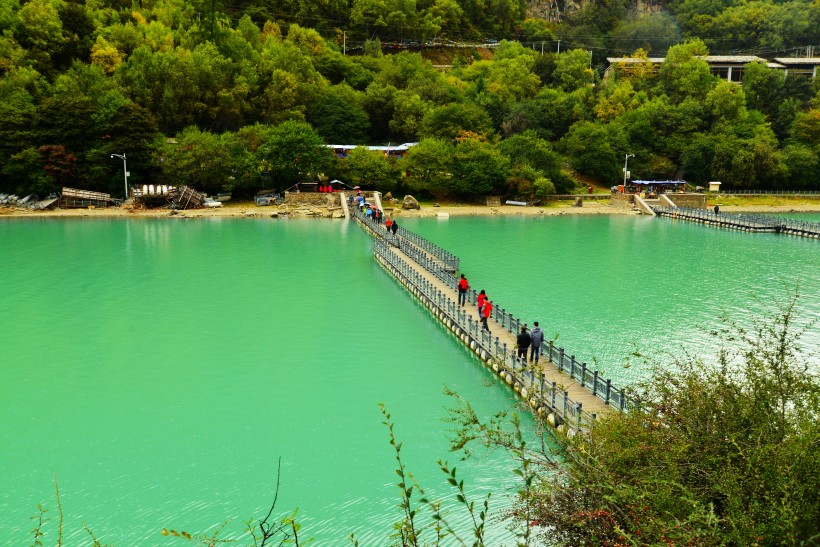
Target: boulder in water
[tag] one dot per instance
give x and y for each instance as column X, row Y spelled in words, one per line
column 410, row 203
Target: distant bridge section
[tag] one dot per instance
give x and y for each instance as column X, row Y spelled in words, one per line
column 744, row 222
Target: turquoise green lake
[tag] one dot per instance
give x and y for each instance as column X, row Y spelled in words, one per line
column 610, row 286
column 160, row 368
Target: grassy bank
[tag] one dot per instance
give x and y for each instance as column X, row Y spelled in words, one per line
column 763, row 201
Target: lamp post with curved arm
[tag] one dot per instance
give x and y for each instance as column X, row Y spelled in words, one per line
column 124, row 172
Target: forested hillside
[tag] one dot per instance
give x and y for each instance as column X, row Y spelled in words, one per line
column 240, row 96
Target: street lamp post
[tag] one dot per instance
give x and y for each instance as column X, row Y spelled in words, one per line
column 124, row 172
column 626, row 163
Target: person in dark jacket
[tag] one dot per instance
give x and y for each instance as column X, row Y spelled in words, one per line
column 523, row 342
column 536, row 339
column 394, row 227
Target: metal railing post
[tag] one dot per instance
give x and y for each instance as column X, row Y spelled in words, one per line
column 566, row 404
column 579, row 411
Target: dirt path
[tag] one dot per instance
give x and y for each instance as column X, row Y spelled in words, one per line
column 250, row 210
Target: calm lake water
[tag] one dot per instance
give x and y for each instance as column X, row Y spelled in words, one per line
column 159, row 368
column 608, row 286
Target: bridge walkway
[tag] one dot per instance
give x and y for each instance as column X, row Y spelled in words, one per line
column 548, row 385
column 744, row 222
column 507, row 339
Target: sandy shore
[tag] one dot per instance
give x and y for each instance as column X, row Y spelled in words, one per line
column 249, row 210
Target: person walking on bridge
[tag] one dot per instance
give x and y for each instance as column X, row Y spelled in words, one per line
column 486, row 310
column 394, row 227
column 523, row 342
column 482, row 297
column 462, row 287
column 536, row 339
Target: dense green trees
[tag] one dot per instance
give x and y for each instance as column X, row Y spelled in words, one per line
column 370, row 169
column 478, row 169
column 721, row 454
column 538, row 167
column 293, row 152
column 429, row 166
column 338, row 115
column 97, row 80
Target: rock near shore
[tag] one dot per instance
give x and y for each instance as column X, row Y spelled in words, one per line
column 410, row 203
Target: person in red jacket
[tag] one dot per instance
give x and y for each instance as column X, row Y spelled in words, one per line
column 482, row 297
column 462, row 287
column 486, row 310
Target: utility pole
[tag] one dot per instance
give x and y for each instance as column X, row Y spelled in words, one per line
column 626, row 173
column 124, row 171
column 559, row 47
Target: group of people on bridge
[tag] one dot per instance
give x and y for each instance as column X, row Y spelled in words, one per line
column 526, row 340
column 371, row 211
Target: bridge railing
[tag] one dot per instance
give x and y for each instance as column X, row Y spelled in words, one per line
column 747, row 192
column 449, row 259
column 748, row 220
column 377, row 229
column 743, row 220
column 548, row 394
column 593, row 380
column 803, row 227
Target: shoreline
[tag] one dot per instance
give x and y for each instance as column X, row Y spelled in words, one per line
column 250, row 210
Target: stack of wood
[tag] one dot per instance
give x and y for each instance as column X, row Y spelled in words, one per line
column 185, row 197
column 72, row 198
